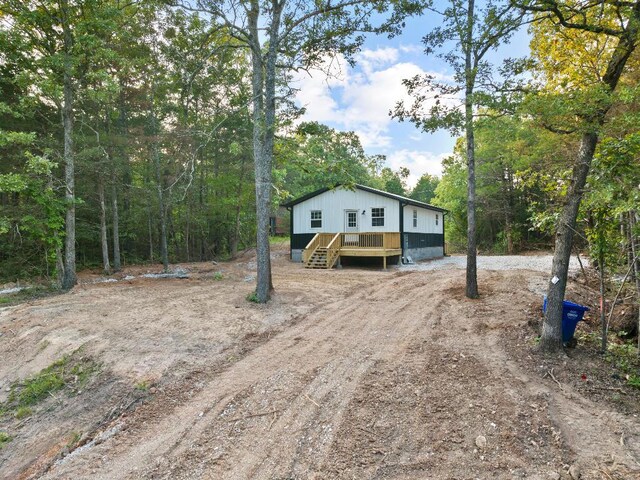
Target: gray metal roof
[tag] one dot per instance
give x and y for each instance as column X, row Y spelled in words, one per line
column 400, row 198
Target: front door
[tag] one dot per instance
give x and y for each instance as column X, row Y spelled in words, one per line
column 350, row 221
column 350, row 226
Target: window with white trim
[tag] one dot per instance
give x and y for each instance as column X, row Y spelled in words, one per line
column 415, row 218
column 377, row 217
column 437, row 219
column 316, row 218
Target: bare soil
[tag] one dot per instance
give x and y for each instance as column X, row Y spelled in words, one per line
column 352, row 373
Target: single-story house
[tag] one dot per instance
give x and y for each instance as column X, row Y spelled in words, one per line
column 363, row 222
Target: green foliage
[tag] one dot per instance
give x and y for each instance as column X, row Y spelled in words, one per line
column 634, row 381
column 23, row 412
column 253, row 297
column 142, row 386
column 317, row 156
column 451, row 194
column 425, row 189
column 71, row 372
column 4, row 439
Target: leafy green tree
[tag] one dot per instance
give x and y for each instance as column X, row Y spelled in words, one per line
column 394, row 182
column 425, row 188
column 578, row 103
column 474, row 30
column 451, row 194
column 317, row 156
column 281, row 35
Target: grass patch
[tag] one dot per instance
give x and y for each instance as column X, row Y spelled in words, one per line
column 218, row 276
column 74, row 440
column 23, row 412
column 279, row 240
column 142, row 386
column 253, row 297
column 70, row 373
column 4, row 439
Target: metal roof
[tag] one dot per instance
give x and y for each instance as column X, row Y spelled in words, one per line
column 400, row 198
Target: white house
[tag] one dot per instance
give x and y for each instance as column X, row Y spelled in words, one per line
column 364, row 221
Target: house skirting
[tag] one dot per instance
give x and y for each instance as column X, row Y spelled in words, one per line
column 425, row 253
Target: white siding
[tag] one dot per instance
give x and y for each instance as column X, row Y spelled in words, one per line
column 426, row 220
column 333, row 204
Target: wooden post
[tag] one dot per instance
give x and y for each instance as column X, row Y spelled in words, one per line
column 384, row 262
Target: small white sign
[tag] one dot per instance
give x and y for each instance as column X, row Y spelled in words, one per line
column 555, row 279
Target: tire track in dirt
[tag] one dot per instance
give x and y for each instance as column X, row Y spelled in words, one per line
column 350, row 333
column 396, row 380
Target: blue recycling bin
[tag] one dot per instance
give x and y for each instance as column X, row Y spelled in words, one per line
column 572, row 313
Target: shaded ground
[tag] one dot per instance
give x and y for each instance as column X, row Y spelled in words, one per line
column 353, row 373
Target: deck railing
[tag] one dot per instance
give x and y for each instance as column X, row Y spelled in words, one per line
column 384, row 240
column 334, row 242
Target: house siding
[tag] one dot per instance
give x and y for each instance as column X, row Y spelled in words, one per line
column 426, row 220
column 333, row 204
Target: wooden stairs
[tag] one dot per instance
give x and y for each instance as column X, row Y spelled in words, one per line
column 324, row 251
column 318, row 259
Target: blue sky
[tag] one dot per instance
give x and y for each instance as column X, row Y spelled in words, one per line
column 360, row 98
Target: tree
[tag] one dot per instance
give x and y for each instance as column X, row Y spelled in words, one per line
column 281, row 35
column 425, row 189
column 317, row 156
column 67, row 40
column 580, row 105
column 475, row 31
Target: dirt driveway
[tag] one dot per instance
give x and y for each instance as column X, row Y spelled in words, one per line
column 353, row 373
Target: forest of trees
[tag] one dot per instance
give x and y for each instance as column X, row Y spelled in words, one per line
column 135, row 131
column 160, row 139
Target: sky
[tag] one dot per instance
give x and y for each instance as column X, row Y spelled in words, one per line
column 359, row 99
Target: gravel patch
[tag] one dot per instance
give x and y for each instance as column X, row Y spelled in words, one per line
column 541, row 263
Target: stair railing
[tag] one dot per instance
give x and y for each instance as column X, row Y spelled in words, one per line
column 310, row 248
column 333, row 250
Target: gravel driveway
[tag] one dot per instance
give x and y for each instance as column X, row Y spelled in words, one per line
column 541, row 263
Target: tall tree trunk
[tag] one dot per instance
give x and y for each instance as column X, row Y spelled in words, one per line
column 117, row 265
column 103, row 229
column 472, row 269
column 551, row 339
column 507, row 181
column 150, row 228
column 69, row 278
column 59, row 266
column 264, row 112
column 162, row 209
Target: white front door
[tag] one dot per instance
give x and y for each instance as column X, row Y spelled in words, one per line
column 350, row 221
column 350, row 227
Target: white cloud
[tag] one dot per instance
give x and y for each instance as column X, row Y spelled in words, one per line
column 360, row 100
column 418, row 162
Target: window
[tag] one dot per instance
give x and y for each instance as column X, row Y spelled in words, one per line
column 352, row 219
column 316, row 218
column 415, row 218
column 436, row 219
column 377, row 217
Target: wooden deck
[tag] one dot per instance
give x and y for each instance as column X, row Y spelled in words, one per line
column 325, row 249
